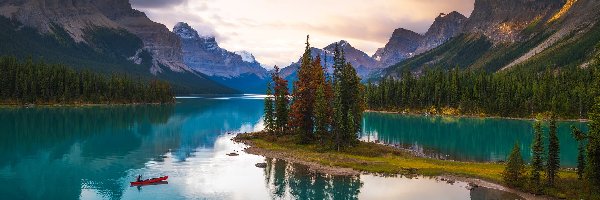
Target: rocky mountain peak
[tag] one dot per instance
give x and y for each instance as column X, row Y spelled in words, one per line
column 401, row 45
column 203, row 54
column 443, row 28
column 246, row 56
column 185, row 31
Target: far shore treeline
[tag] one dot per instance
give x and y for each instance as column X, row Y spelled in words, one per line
column 566, row 92
column 28, row 82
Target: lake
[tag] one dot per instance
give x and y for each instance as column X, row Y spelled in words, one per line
column 465, row 139
column 94, row 152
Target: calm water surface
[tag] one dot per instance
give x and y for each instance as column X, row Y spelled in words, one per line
column 466, row 139
column 94, row 152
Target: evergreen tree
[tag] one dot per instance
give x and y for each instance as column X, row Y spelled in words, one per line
column 513, row 174
column 269, row 118
column 304, row 97
column 281, row 102
column 593, row 147
column 553, row 163
column 321, row 115
column 339, row 127
column 580, row 136
column 348, row 101
column 537, row 148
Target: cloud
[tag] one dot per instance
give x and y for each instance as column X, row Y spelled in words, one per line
column 156, row 3
column 274, row 30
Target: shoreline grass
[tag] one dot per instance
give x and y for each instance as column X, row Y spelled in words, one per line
column 376, row 158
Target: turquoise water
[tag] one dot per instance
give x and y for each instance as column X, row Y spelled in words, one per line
column 94, row 152
column 466, row 139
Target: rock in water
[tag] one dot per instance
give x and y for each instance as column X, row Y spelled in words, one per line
column 261, row 165
column 233, row 154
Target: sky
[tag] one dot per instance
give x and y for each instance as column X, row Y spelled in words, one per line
column 274, row 31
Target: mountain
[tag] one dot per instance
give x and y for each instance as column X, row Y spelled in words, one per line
column 363, row 64
column 444, row 27
column 532, row 34
column 401, row 45
column 106, row 36
column 238, row 70
column 405, row 43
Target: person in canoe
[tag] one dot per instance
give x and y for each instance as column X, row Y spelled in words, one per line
column 139, row 178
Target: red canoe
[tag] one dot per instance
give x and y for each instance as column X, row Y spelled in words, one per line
column 150, row 181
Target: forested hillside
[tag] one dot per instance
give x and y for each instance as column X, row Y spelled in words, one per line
column 105, row 51
column 28, row 82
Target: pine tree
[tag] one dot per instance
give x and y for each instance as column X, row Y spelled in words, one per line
column 338, row 123
column 580, row 137
column 281, row 102
column 513, row 174
column 269, row 118
column 537, row 148
column 553, row 163
column 304, row 98
column 348, row 101
column 593, row 147
column 321, row 115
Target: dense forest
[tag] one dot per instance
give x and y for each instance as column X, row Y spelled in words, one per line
column 32, row 82
column 521, row 92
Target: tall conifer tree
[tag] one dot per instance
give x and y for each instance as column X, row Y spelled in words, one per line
column 537, row 148
column 269, row 118
column 281, row 102
column 553, row 163
column 581, row 137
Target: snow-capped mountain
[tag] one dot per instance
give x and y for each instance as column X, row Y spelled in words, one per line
column 238, row 70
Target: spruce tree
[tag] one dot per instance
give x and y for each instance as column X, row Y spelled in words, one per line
column 281, row 102
column 302, row 108
column 338, row 123
column 269, row 118
column 581, row 160
column 537, row 148
column 321, row 115
column 593, row 147
column 514, row 171
column 553, row 163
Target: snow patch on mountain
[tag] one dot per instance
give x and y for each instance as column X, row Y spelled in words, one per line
column 246, row 56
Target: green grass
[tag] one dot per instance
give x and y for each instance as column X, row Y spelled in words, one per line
column 375, row 158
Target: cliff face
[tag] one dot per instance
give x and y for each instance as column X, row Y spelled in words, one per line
column 203, row 54
column 75, row 16
column 443, row 28
column 502, row 21
column 72, row 15
column 158, row 39
column 405, row 43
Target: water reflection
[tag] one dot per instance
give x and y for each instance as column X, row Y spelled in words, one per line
column 293, row 181
column 470, row 139
column 286, row 180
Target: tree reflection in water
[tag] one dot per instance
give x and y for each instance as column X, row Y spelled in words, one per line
column 293, row 180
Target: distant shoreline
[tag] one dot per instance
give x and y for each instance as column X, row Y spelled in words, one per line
column 77, row 105
column 468, row 116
